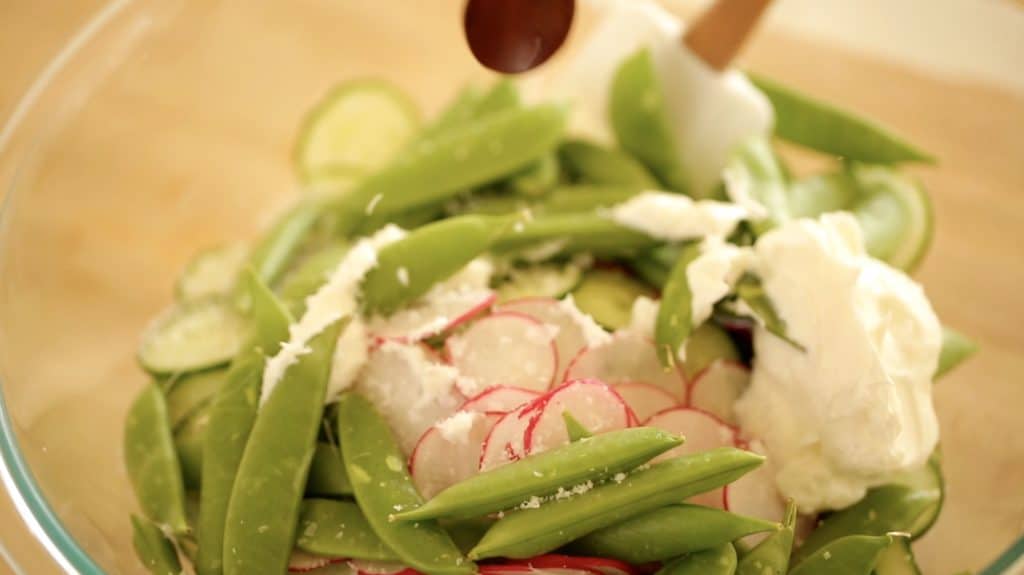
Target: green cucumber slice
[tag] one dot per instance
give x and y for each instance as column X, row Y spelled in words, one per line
column 822, row 193
column 190, row 393
column 542, row 280
column 608, row 295
column 898, row 559
column 360, row 123
column 956, row 348
column 706, row 345
column 192, row 336
column 211, row 272
column 895, row 213
column 814, row 124
column 927, row 479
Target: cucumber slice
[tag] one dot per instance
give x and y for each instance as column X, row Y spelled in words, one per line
column 360, row 123
column 928, row 479
column 211, row 272
column 895, row 213
column 898, row 559
column 192, row 392
column 607, row 295
column 956, row 348
column 544, row 280
column 823, row 193
column 192, row 336
column 333, row 180
column 706, row 345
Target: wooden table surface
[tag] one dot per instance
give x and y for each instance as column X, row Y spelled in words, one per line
column 974, row 273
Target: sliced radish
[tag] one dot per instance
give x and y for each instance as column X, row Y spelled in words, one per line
column 432, row 315
column 410, row 389
column 362, row 567
column 594, row 404
column 717, row 387
column 626, row 357
column 506, row 569
column 755, row 494
column 702, row 431
column 302, row 562
column 645, row 399
column 576, row 330
column 600, row 565
column 507, row 440
column 505, row 349
column 450, row 451
column 501, row 399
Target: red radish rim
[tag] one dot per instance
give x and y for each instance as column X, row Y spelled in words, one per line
column 583, row 563
column 316, row 562
column 675, row 368
column 554, row 349
column 419, row 442
column 475, row 310
column 656, row 388
column 520, row 412
column 528, row 299
column 691, row 383
column 733, row 428
column 356, row 565
column 496, row 388
column 532, row 425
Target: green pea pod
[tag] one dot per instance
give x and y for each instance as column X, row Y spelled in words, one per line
column 435, row 170
column 264, row 506
column 675, row 322
column 503, row 95
column 584, row 198
column 188, row 441
column 466, row 533
column 574, row 428
column 593, row 164
column 757, row 168
column 956, row 348
column 382, row 486
column 574, row 233
column 637, row 112
column 191, row 393
column 232, row 414
column 309, row 276
column 607, row 295
column 152, row 461
column 327, row 477
column 669, row 532
column 751, row 292
column 814, row 124
column 851, row 555
column 720, row 560
column 771, row 555
column 427, row 256
column 537, row 179
column 154, row 549
column 530, row 532
column 897, row 559
column 457, row 113
column 339, row 529
column 654, row 265
column 544, row 473
column 277, row 248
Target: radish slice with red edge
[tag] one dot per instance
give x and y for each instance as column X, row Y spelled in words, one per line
column 302, row 562
column 362, row 567
column 450, row 451
column 505, row 349
column 717, row 387
column 594, row 404
column 433, row 315
column 506, row 441
column 503, row 569
column 645, row 399
column 501, row 398
column 600, row 565
column 575, row 329
column 702, row 431
column 624, row 358
column 755, row 494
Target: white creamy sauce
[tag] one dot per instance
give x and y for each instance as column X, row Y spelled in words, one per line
column 676, row 217
column 713, row 274
column 593, row 334
column 856, row 406
column 456, row 428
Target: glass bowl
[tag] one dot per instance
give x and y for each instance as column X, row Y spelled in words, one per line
column 166, row 126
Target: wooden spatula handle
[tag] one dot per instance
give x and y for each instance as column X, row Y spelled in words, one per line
column 717, row 36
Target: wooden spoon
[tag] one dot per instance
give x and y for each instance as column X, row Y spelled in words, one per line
column 717, row 36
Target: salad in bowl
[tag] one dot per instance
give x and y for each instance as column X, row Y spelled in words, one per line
column 587, row 323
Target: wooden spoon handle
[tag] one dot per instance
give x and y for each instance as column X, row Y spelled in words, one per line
column 720, row 32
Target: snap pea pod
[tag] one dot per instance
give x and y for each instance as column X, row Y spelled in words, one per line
column 232, row 414
column 898, row 559
column 339, row 529
column 544, row 473
column 593, row 164
column 669, row 532
column 264, row 506
column 503, row 95
column 382, row 486
column 819, row 126
column 188, row 442
column 309, row 276
column 757, row 168
column 192, row 392
column 653, row 266
column 537, row 179
column 529, row 532
column 771, row 556
column 636, row 109
column 585, row 198
column 466, row 533
column 277, row 248
column 434, row 170
column 458, row 111
column 574, row 428
column 152, row 462
column 587, row 232
column 852, row 555
column 327, row 477
column 720, row 560
column 956, row 348
column 154, row 549
column 427, row 256
column 750, row 291
column 674, row 321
